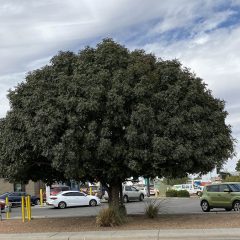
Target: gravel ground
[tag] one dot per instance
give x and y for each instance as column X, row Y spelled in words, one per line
column 135, row 222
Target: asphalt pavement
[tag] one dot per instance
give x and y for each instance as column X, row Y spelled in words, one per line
column 180, row 205
column 177, row 234
column 168, row 206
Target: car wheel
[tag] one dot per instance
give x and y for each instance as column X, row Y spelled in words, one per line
column 141, row 197
column 93, row 203
column 62, row 205
column 228, row 209
column 37, row 202
column 125, row 198
column 205, row 206
column 236, row 206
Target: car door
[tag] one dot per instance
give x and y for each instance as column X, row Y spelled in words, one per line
column 128, row 191
column 212, row 194
column 19, row 197
column 135, row 193
column 80, row 199
column 224, row 196
column 14, row 198
column 69, row 198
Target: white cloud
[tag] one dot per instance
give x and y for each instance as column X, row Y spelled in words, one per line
column 33, row 31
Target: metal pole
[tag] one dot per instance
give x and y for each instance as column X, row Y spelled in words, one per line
column 8, row 209
column 29, row 208
column 23, row 210
column 26, row 204
column 41, row 197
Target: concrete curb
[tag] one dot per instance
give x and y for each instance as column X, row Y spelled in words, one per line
column 183, row 234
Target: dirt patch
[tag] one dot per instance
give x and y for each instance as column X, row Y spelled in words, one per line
column 135, row 222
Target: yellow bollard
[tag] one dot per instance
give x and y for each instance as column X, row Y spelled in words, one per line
column 23, row 210
column 90, row 191
column 41, row 198
column 7, row 205
column 29, row 208
column 26, row 205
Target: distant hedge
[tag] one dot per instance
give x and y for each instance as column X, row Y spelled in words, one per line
column 175, row 193
column 171, row 193
column 183, row 193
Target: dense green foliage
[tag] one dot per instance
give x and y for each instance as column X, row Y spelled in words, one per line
column 107, row 114
column 238, row 166
column 175, row 181
column 183, row 193
column 232, row 179
column 175, row 193
column 171, row 193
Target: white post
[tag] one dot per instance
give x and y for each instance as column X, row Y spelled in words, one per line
column 47, row 192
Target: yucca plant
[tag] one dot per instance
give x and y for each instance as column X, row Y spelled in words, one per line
column 110, row 217
column 153, row 207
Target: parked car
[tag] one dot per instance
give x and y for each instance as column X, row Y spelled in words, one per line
column 130, row 193
column 55, row 189
column 142, row 189
column 224, row 195
column 2, row 200
column 15, row 198
column 72, row 198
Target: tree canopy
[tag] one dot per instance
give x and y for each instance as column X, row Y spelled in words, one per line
column 238, row 166
column 107, row 114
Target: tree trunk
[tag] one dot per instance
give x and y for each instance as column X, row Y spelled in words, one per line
column 114, row 191
column 121, row 194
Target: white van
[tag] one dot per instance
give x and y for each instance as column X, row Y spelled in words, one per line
column 189, row 187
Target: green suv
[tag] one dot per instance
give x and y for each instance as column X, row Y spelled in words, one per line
column 224, row 195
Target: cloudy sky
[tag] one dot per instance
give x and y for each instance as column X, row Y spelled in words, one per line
column 203, row 35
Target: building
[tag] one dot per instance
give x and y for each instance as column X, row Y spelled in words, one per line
column 32, row 188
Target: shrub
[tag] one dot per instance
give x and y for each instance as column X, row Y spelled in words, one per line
column 232, row 179
column 183, row 193
column 171, row 193
column 152, row 208
column 109, row 217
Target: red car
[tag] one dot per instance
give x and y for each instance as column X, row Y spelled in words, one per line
column 3, row 201
column 54, row 190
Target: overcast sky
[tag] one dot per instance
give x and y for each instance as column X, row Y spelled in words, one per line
column 203, row 35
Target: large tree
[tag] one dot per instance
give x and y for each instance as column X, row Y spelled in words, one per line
column 238, row 166
column 107, row 114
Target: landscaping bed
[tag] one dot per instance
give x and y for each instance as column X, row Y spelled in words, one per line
column 135, row 222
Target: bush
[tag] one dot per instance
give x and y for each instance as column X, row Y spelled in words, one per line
column 183, row 193
column 232, row 179
column 171, row 193
column 110, row 217
column 152, row 208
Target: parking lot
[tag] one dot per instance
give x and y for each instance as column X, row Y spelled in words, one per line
column 168, row 206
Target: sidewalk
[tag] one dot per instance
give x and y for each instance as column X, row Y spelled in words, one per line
column 180, row 234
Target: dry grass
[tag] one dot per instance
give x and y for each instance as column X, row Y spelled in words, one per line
column 212, row 220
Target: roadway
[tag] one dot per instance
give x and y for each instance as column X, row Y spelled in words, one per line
column 167, row 206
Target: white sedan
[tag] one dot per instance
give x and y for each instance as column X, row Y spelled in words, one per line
column 72, row 198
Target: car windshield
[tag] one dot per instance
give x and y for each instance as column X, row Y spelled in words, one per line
column 235, row 187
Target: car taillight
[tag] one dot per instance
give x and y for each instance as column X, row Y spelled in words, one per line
column 53, row 198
